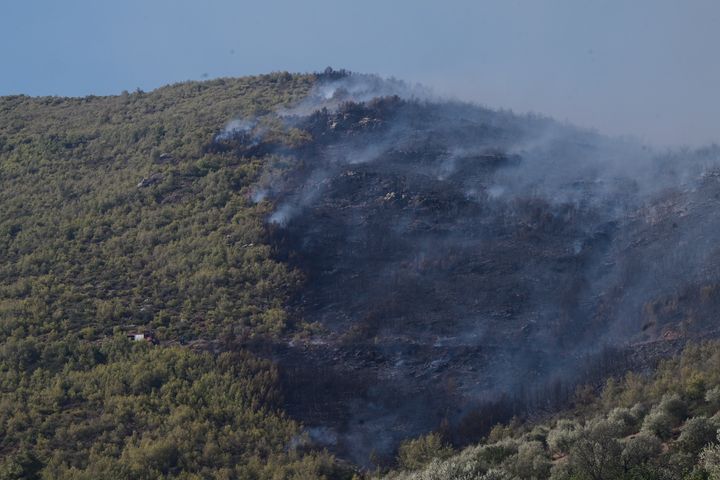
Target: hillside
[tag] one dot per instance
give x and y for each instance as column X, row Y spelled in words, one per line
column 116, row 220
column 465, row 265
column 329, row 261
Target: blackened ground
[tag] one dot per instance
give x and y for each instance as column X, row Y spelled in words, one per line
column 450, row 301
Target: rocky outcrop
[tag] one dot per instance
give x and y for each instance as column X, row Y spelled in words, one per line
column 153, row 179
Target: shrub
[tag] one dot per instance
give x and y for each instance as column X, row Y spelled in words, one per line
column 537, row 434
column 21, row 465
column 530, row 462
column 604, row 427
column 417, row 453
column 712, row 397
column 499, row 432
column 561, row 438
column 673, row 405
column 561, row 471
column 624, row 418
column 664, row 416
column 596, row 454
column 696, row 433
column 463, row 466
column 696, row 387
column 497, row 452
column 639, row 410
column 640, row 449
column 495, row 475
column 659, row 423
column 710, row 459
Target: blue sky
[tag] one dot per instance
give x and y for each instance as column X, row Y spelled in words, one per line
column 647, row 68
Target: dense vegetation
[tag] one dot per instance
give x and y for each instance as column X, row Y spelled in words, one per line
column 116, row 218
column 84, row 247
column 125, row 409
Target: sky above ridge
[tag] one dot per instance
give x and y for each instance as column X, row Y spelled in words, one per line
column 645, row 68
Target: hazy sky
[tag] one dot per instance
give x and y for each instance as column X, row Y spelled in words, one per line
column 649, row 68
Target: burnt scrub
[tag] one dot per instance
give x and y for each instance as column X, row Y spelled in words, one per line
column 462, row 266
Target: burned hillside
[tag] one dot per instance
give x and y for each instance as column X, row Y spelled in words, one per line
column 311, row 262
column 455, row 255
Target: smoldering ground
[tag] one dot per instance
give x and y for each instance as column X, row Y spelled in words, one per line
column 456, row 256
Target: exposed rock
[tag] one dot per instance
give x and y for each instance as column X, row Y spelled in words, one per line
column 153, row 179
column 166, row 158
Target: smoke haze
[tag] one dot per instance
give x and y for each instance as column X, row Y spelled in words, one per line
column 456, row 255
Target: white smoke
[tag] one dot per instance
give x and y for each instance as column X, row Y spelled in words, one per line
column 235, row 127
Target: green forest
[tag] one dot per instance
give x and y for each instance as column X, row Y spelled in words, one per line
column 91, row 254
column 116, row 219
